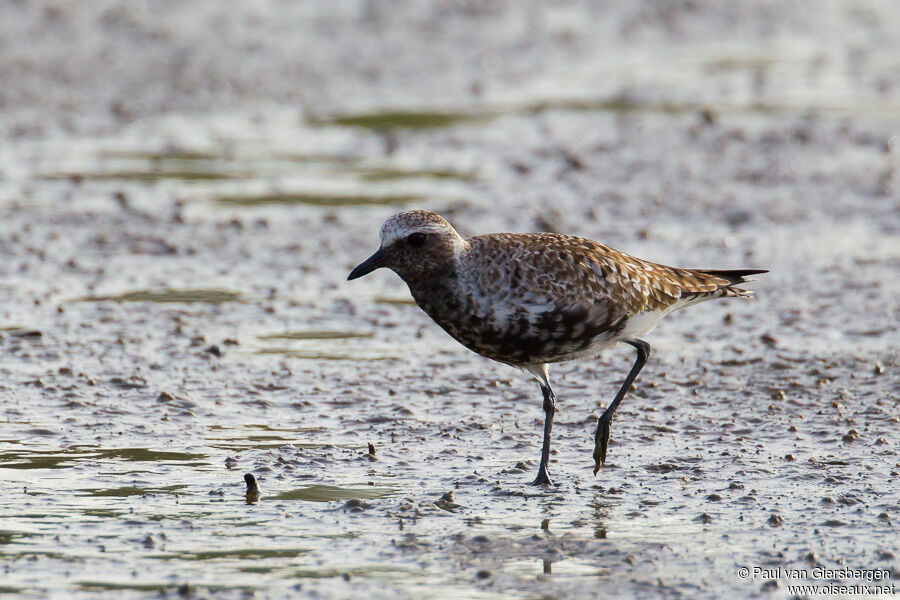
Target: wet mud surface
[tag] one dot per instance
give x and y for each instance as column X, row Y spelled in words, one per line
column 174, row 311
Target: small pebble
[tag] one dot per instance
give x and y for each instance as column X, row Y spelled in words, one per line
column 356, row 505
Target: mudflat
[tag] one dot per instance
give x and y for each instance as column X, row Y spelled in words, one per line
column 183, row 191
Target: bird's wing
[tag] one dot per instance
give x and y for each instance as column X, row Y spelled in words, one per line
column 561, row 271
column 540, row 296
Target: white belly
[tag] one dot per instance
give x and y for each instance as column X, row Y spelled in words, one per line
column 635, row 327
column 641, row 324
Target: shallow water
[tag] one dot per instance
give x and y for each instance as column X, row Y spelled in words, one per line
column 174, row 314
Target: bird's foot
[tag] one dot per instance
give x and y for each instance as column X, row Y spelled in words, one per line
column 601, row 442
column 543, row 477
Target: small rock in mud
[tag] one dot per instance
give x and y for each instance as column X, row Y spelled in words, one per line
column 708, row 116
column 775, row 520
column 26, row 333
column 132, row 383
column 768, row 339
column 446, row 502
column 483, row 574
column 356, row 505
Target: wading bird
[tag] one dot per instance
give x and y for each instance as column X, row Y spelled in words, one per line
column 528, row 300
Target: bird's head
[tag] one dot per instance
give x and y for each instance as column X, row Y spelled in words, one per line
column 414, row 245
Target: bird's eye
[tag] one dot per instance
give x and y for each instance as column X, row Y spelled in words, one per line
column 415, row 239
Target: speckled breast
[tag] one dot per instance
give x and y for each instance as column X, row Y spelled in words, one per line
column 523, row 337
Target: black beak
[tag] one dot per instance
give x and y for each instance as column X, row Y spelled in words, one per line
column 376, row 261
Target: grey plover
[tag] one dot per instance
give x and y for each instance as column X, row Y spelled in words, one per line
column 531, row 299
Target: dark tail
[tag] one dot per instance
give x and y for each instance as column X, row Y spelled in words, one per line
column 733, row 276
column 706, row 284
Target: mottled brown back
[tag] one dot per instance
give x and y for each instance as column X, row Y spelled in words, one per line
column 545, row 297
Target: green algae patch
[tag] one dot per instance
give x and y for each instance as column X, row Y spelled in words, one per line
column 146, row 176
column 147, row 455
column 318, row 199
column 315, row 335
column 8, row 537
column 381, row 571
column 392, row 300
column 102, row 512
column 106, row 586
column 53, row 459
column 243, row 553
column 402, row 119
column 320, row 355
column 164, row 155
column 308, row 345
column 205, row 296
column 393, row 174
column 126, row 491
column 35, row 460
column 327, row 493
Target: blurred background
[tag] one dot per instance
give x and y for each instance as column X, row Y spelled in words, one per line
column 184, row 187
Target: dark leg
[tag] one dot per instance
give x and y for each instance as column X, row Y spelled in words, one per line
column 601, row 438
column 543, row 476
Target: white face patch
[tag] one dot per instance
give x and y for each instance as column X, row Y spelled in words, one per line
column 402, row 225
column 392, row 230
